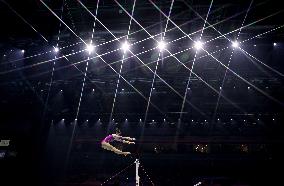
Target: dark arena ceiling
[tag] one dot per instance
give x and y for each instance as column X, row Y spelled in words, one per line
column 198, row 83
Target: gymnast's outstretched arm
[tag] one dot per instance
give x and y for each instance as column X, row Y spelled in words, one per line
column 123, row 139
column 128, row 138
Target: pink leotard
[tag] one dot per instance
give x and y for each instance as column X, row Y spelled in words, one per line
column 108, row 139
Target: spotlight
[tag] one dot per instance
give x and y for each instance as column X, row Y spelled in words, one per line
column 93, row 90
column 198, row 45
column 56, row 49
column 161, row 45
column 248, row 87
column 231, row 119
column 23, row 51
column 76, row 119
column 61, row 90
column 63, row 119
column 87, row 120
column 125, row 46
column 126, row 119
column 90, row 48
column 254, row 45
column 274, row 44
column 235, row 44
column 218, row 119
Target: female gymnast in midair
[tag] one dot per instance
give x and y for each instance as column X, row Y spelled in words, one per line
column 116, row 137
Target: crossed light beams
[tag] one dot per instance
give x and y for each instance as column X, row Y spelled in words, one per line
column 161, row 46
column 167, row 50
column 133, row 33
column 64, row 56
column 139, row 58
column 104, row 60
column 82, row 61
column 160, row 33
column 78, row 62
column 125, row 48
column 262, row 92
column 198, row 45
column 180, row 63
column 235, row 44
column 74, row 53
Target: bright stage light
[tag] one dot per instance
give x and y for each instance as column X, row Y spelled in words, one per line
column 125, row 46
column 274, row 44
column 198, row 45
column 235, row 44
column 90, row 48
column 23, row 51
column 56, row 49
column 161, row 45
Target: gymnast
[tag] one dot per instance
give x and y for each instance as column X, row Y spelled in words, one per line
column 116, row 137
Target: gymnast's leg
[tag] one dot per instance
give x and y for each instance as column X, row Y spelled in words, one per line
column 108, row 146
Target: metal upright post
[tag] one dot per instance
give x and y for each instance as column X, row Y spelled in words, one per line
column 137, row 169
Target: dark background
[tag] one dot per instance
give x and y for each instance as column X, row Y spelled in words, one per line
column 238, row 141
